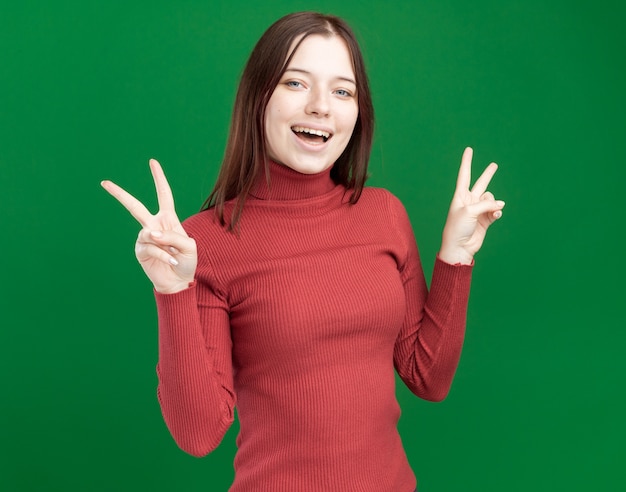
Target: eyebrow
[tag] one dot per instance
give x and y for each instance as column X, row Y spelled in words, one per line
column 300, row 70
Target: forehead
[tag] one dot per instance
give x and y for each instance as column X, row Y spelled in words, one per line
column 323, row 54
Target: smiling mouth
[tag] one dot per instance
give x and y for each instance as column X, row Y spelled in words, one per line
column 310, row 134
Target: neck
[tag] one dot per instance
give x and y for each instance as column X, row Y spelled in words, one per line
column 286, row 184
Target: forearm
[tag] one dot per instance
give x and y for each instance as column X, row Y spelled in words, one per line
column 428, row 354
column 196, row 397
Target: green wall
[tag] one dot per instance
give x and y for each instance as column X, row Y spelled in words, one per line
column 91, row 90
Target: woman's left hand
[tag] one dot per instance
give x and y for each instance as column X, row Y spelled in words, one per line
column 471, row 213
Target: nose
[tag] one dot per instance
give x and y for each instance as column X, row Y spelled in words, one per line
column 318, row 103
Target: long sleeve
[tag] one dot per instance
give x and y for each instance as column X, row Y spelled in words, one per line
column 195, row 366
column 428, row 348
column 303, row 314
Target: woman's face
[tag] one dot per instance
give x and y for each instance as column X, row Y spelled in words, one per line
column 312, row 112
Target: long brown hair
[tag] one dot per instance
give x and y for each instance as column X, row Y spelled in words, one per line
column 245, row 156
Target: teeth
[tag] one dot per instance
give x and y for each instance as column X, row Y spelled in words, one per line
column 304, row 129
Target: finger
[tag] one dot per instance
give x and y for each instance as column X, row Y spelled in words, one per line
column 168, row 240
column 490, row 217
column 483, row 181
column 146, row 251
column 164, row 192
column 485, row 206
column 465, row 171
column 128, row 201
column 146, row 236
column 487, row 195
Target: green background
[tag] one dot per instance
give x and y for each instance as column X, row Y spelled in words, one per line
column 91, row 90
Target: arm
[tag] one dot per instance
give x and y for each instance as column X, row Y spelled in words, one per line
column 195, row 389
column 428, row 349
column 195, row 373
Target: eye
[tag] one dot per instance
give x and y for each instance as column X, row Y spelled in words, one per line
column 294, row 84
column 343, row 93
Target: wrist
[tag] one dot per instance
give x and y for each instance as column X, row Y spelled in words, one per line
column 173, row 289
column 455, row 256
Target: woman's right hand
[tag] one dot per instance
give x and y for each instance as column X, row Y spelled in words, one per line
column 164, row 250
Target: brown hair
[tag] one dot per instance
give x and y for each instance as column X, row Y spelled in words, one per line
column 245, row 156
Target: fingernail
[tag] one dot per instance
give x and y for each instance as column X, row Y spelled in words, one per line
column 173, row 261
column 156, row 233
column 497, row 214
column 500, row 203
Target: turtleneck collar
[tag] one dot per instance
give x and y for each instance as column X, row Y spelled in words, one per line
column 287, row 184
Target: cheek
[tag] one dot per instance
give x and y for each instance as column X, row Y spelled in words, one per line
column 349, row 123
column 273, row 117
column 351, row 117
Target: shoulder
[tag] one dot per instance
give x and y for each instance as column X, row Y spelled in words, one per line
column 202, row 223
column 391, row 211
column 216, row 247
column 209, row 233
column 383, row 199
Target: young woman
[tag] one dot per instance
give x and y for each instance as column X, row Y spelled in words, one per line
column 297, row 291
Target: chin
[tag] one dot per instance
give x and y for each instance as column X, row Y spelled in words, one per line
column 308, row 167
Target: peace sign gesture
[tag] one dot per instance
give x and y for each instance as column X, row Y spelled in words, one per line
column 471, row 213
column 164, row 250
